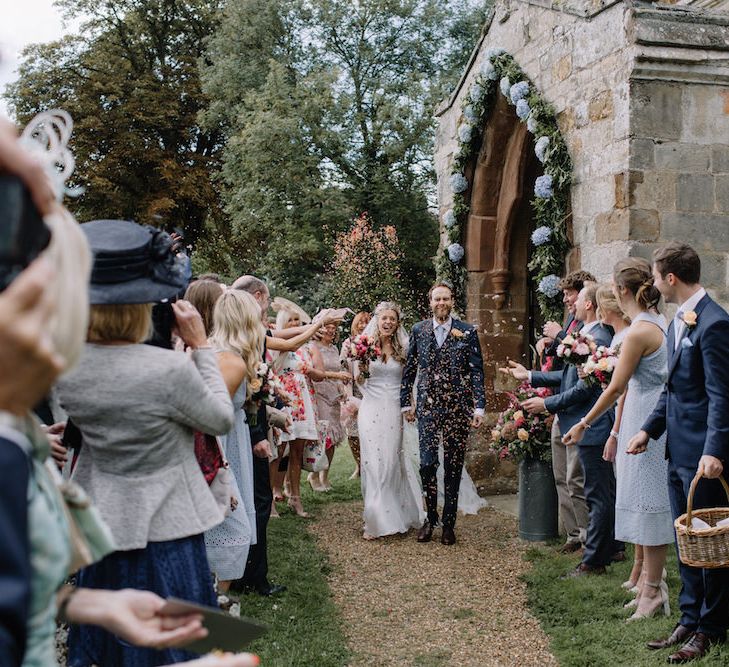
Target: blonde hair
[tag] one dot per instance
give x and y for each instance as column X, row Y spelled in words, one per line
column 129, row 322
column 68, row 252
column 237, row 328
column 608, row 303
column 398, row 353
column 283, row 316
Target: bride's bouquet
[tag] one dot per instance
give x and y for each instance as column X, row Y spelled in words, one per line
column 518, row 435
column 598, row 369
column 576, row 348
column 268, row 388
column 363, row 350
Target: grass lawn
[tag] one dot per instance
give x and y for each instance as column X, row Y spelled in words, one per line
column 305, row 626
column 585, row 620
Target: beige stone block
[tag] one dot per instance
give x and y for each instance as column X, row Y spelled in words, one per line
column 601, row 106
column 644, row 225
column 562, row 68
column 612, row 225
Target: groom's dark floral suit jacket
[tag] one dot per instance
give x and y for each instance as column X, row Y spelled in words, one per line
column 450, row 378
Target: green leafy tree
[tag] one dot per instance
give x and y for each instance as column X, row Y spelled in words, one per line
column 131, row 82
column 343, row 93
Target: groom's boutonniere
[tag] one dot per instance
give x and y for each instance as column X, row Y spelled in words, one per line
column 689, row 319
column 457, row 333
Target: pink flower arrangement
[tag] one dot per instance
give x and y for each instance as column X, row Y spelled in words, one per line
column 363, row 349
column 598, row 369
column 517, row 434
column 576, row 348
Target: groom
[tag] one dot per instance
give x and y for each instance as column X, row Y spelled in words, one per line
column 693, row 411
column 446, row 356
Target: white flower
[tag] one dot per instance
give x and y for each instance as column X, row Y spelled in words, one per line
column 505, row 86
column 532, row 125
column 540, row 148
column 549, row 286
column 456, row 252
column 465, row 132
column 518, row 91
column 494, row 52
column 476, row 92
column 449, row 219
column 458, row 183
column 522, row 109
column 541, row 235
column 543, row 187
column 469, row 112
column 488, row 70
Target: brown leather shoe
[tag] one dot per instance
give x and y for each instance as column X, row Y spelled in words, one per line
column 696, row 647
column 618, row 557
column 583, row 570
column 425, row 534
column 679, row 635
column 448, row 537
column 570, row 547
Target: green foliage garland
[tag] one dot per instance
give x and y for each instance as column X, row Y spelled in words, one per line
column 500, row 74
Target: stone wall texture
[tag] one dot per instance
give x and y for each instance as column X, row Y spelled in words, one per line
column 641, row 93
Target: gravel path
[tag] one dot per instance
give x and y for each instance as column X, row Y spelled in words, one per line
column 428, row 605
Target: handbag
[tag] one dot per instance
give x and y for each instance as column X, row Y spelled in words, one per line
column 315, row 451
column 216, row 470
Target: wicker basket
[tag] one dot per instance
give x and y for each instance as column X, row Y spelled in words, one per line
column 707, row 548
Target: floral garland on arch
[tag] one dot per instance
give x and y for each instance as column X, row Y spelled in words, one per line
column 551, row 190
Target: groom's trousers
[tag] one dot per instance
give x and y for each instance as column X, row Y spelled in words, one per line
column 453, row 429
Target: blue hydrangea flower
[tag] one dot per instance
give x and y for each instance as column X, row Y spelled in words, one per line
column 465, row 132
column 489, row 71
column 494, row 52
column 476, row 92
column 505, row 86
column 532, row 125
column 543, row 187
column 469, row 111
column 456, row 252
column 459, row 183
column 549, row 286
column 518, row 91
column 541, row 235
column 449, row 219
column 522, row 109
column 540, row 148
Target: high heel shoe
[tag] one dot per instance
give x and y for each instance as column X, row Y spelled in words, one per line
column 294, row 502
column 649, row 607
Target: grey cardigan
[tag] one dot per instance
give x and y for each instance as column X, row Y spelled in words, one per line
column 136, row 407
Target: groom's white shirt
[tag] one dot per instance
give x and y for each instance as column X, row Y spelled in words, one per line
column 441, row 331
column 685, row 307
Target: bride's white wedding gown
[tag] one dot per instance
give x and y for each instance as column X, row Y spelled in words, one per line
column 392, row 498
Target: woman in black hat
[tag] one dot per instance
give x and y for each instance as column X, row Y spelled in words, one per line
column 137, row 406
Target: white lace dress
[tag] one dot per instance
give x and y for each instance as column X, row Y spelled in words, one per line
column 392, row 499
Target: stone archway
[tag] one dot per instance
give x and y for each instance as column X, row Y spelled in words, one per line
column 499, row 295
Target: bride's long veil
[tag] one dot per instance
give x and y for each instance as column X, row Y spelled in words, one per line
column 469, row 502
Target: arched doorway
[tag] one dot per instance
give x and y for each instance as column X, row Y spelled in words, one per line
column 500, row 296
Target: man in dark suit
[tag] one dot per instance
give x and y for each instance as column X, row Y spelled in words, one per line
column 445, row 354
column 693, row 411
column 574, row 400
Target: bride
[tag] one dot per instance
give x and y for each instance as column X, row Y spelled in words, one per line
column 392, row 499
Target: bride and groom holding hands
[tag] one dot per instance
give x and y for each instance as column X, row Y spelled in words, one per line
column 443, row 357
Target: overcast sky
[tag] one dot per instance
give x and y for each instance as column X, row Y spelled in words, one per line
column 25, row 22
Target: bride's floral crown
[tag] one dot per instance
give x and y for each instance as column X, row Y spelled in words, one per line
column 389, row 305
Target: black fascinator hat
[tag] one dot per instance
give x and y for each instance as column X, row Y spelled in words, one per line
column 133, row 263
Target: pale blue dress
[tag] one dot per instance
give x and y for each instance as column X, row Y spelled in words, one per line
column 642, row 509
column 227, row 544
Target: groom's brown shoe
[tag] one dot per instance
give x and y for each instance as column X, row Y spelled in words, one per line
column 696, row 647
column 448, row 537
column 679, row 635
column 425, row 534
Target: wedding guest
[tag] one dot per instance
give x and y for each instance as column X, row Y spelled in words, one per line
column 693, row 412
column 237, row 337
column 570, row 404
column 359, row 322
column 566, row 466
column 204, row 294
column 137, row 406
column 329, row 392
column 642, row 509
